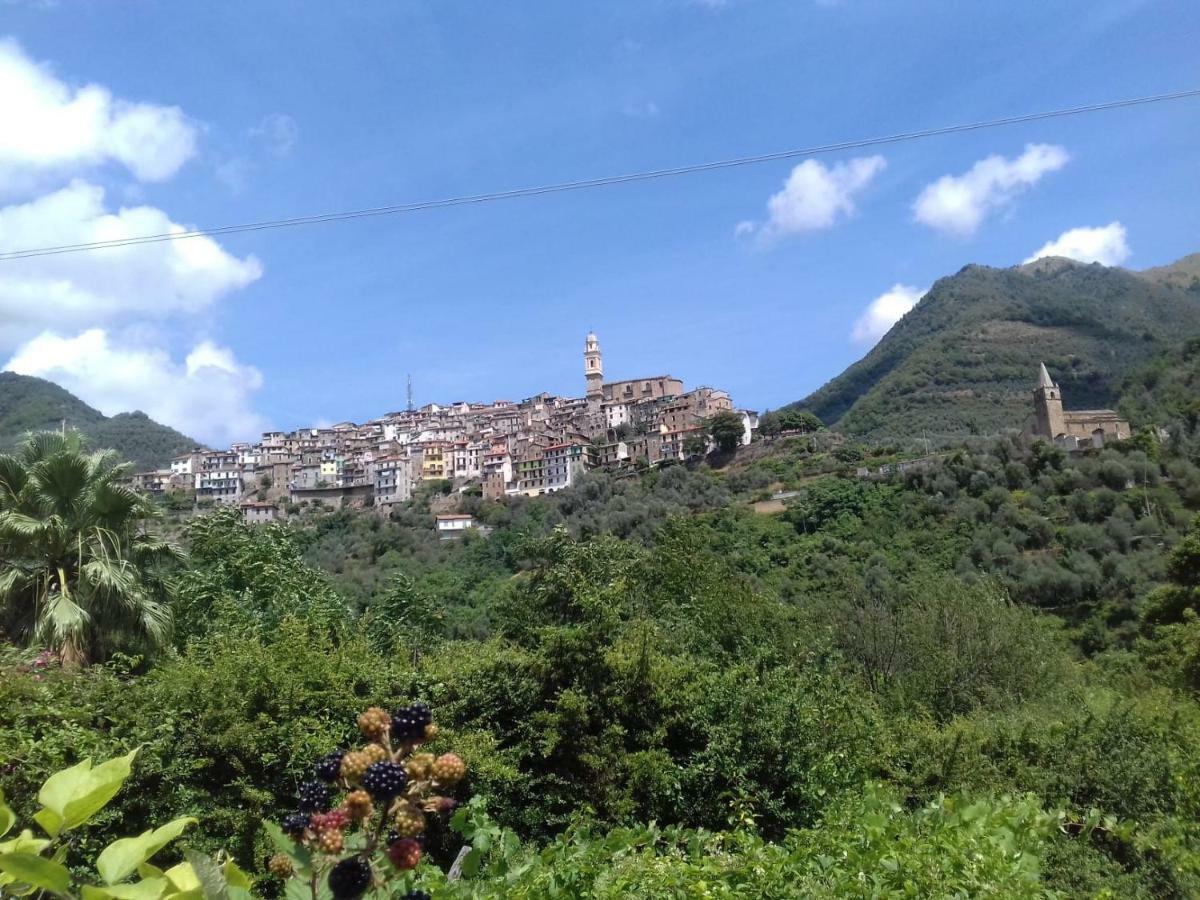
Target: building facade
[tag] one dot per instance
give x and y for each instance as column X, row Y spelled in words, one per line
column 1071, row 429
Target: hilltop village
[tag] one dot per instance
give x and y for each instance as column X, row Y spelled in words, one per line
column 503, row 448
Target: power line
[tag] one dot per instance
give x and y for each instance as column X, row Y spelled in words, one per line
column 606, row 181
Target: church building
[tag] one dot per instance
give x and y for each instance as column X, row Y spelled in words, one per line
column 1071, row 429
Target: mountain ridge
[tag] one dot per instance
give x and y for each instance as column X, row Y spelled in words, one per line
column 964, row 359
column 28, row 403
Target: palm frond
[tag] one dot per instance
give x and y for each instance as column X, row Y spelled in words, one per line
column 40, row 444
column 62, row 479
column 13, row 477
column 62, row 620
column 116, row 505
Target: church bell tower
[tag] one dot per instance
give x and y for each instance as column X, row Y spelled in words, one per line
column 593, row 368
column 1047, row 402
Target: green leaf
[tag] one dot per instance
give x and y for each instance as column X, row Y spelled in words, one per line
column 74, row 795
column 212, row 879
column 235, row 877
column 150, row 889
column 183, row 878
column 34, row 870
column 7, row 817
column 25, row 842
column 300, row 857
column 471, row 863
column 121, row 858
column 50, row 821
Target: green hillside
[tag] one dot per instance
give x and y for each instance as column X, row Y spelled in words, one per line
column 1165, row 390
column 965, row 359
column 34, row 404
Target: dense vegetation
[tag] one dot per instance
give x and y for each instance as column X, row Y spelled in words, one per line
column 33, row 404
column 966, row 357
column 976, row 676
column 973, row 673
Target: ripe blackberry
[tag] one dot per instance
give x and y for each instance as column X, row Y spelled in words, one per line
column 421, row 713
column 384, row 780
column 314, row 797
column 449, row 768
column 392, row 836
column 405, row 854
column 328, row 767
column 409, row 722
column 350, row 878
column 294, row 824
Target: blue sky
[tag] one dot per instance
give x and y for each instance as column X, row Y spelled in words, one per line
column 210, row 114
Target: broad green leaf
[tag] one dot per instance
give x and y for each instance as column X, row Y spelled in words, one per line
column 235, row 877
column 121, row 858
column 24, row 842
column 301, row 858
column 7, row 817
column 76, row 794
column 149, row 889
column 212, row 879
column 50, row 821
column 34, row 870
column 183, row 878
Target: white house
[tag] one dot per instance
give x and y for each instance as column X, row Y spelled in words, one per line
column 452, row 525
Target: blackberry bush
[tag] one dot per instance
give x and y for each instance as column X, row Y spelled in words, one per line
column 364, row 823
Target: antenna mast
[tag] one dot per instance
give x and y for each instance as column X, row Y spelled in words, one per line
column 410, row 400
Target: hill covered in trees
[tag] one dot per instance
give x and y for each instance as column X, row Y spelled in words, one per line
column 34, row 404
column 974, row 678
column 965, row 359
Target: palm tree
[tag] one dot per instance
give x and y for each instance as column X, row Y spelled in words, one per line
column 78, row 571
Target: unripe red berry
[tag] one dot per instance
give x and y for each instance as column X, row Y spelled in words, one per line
column 405, row 854
column 449, row 768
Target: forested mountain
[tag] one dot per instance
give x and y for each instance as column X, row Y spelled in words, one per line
column 1167, row 389
column 34, row 404
column 965, row 359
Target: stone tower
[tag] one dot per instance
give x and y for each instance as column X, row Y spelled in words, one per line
column 1047, row 403
column 593, row 368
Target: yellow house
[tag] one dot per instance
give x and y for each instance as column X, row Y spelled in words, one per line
column 434, row 462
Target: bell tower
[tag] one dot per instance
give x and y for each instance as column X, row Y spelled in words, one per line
column 593, row 368
column 1047, row 403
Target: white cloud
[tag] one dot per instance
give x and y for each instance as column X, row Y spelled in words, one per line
column 278, row 132
column 80, row 289
column 883, row 312
column 815, row 197
column 49, row 127
column 1105, row 244
column 206, row 396
column 958, row 204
